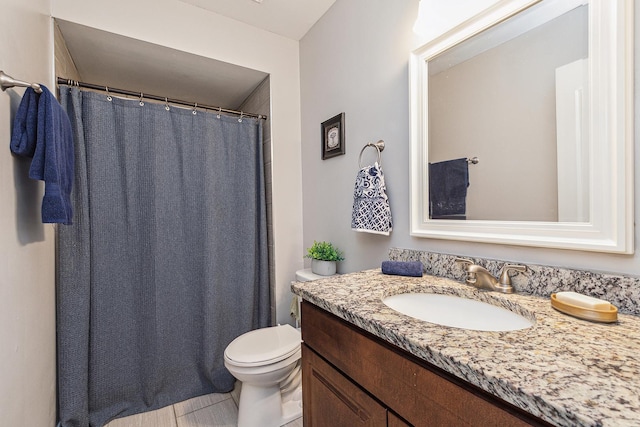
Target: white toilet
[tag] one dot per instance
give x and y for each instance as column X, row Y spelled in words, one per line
column 267, row 361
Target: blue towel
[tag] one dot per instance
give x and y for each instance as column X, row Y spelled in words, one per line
column 402, row 268
column 25, row 125
column 448, row 182
column 42, row 130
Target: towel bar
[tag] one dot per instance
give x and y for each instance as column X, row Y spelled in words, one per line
column 379, row 146
column 6, row 81
column 473, row 160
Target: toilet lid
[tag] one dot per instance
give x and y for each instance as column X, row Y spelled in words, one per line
column 262, row 346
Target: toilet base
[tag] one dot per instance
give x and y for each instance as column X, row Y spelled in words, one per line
column 263, row 406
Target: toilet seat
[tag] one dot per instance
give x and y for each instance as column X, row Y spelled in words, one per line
column 263, row 346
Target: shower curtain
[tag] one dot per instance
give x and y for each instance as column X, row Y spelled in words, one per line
column 166, row 261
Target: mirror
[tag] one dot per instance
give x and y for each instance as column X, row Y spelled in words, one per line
column 509, row 86
column 540, row 92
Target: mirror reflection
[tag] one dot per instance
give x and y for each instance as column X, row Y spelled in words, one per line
column 516, row 97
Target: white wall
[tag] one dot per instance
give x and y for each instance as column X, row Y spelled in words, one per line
column 27, row 286
column 355, row 59
column 191, row 29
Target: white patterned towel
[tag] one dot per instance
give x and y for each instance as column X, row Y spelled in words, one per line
column 371, row 211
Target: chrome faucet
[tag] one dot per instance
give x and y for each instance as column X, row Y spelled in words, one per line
column 481, row 278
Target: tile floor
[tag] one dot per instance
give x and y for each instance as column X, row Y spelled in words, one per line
column 211, row 410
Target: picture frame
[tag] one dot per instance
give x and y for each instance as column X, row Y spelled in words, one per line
column 333, row 142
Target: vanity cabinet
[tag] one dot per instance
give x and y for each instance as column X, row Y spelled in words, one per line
column 352, row 378
column 335, row 400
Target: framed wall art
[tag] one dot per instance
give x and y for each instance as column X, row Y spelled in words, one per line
column 333, row 143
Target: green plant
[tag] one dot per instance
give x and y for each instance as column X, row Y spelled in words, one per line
column 324, row 251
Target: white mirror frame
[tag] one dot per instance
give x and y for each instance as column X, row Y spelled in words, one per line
column 610, row 228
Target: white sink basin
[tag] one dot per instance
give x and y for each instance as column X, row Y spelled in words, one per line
column 457, row 312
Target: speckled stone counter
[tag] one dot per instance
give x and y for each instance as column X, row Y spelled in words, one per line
column 567, row 371
column 541, row 280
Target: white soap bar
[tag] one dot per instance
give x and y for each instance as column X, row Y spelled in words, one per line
column 583, row 301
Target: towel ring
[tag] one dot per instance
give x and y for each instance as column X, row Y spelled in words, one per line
column 379, row 146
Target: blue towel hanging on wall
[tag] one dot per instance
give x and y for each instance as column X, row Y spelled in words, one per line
column 41, row 130
column 448, row 182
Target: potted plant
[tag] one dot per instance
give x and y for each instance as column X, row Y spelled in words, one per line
column 323, row 258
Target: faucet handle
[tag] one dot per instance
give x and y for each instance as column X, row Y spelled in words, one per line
column 466, row 265
column 465, row 261
column 505, row 280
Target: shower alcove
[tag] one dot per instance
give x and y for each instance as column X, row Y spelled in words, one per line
column 103, row 58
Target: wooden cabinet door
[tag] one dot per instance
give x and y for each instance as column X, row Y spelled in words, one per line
column 395, row 421
column 330, row 399
column 420, row 393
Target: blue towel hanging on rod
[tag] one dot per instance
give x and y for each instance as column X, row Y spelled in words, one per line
column 448, row 182
column 43, row 132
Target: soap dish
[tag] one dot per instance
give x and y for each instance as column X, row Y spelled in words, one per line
column 605, row 316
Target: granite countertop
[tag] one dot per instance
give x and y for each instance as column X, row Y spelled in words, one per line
column 567, row 371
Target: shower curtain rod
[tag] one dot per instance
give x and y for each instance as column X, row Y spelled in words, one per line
column 69, row 82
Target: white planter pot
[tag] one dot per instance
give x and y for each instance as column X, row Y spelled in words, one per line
column 323, row 268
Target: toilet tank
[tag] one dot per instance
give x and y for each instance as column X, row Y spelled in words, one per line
column 307, row 275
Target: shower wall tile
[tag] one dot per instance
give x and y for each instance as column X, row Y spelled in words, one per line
column 260, row 97
column 259, row 102
column 269, row 194
column 267, row 151
column 64, row 65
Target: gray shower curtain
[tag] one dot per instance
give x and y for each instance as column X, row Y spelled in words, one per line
column 166, row 260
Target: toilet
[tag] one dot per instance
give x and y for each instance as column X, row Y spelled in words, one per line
column 307, row 275
column 267, row 361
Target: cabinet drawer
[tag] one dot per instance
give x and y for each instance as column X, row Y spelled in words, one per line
column 419, row 392
column 330, row 399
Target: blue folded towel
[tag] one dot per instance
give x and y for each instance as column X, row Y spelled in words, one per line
column 402, row 268
column 448, row 182
column 42, row 130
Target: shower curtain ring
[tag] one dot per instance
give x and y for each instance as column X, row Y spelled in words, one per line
column 195, row 107
column 241, row 116
column 109, row 98
column 219, row 112
column 141, row 101
column 166, row 103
